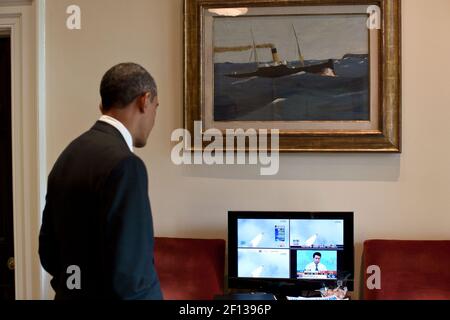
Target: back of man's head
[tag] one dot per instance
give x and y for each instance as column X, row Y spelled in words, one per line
column 123, row 83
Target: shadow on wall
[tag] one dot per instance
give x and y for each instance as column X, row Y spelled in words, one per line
column 359, row 271
column 325, row 167
column 200, row 233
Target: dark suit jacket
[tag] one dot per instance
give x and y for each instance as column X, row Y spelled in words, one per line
column 97, row 217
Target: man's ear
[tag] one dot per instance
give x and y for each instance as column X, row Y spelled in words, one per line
column 141, row 102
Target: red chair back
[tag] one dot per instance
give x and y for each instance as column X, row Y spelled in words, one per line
column 190, row 269
column 410, row 270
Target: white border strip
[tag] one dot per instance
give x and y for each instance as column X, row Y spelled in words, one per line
column 42, row 122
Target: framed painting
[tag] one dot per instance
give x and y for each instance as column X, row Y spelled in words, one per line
column 325, row 73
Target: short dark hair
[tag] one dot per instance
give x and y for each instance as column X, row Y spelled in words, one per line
column 125, row 82
column 317, row 254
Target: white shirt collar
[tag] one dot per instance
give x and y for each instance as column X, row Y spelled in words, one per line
column 122, row 129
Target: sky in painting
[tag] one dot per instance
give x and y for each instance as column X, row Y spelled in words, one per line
column 321, row 36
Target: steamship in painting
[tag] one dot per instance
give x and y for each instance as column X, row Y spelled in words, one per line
column 278, row 68
column 262, row 89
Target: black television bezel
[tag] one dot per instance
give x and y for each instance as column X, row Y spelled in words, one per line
column 283, row 286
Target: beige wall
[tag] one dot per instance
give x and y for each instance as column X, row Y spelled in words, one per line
column 394, row 196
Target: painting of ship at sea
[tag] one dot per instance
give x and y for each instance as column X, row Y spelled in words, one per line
column 277, row 68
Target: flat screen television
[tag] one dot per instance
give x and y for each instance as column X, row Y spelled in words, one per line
column 290, row 252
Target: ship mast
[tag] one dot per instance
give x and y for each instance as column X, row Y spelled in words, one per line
column 254, row 47
column 300, row 55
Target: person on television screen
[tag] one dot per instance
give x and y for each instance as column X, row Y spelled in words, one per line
column 97, row 218
column 316, row 266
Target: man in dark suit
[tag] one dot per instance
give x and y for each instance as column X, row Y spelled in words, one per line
column 96, row 238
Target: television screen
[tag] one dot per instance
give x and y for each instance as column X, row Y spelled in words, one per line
column 308, row 250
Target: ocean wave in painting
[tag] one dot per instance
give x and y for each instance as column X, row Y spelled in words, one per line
column 298, row 97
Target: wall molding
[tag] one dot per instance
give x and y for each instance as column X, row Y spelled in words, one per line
column 41, row 90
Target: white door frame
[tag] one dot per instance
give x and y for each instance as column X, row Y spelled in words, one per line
column 25, row 22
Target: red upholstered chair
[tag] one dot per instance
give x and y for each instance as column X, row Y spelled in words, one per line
column 410, row 270
column 190, row 269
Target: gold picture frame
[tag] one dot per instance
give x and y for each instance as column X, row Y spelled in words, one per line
column 338, row 110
